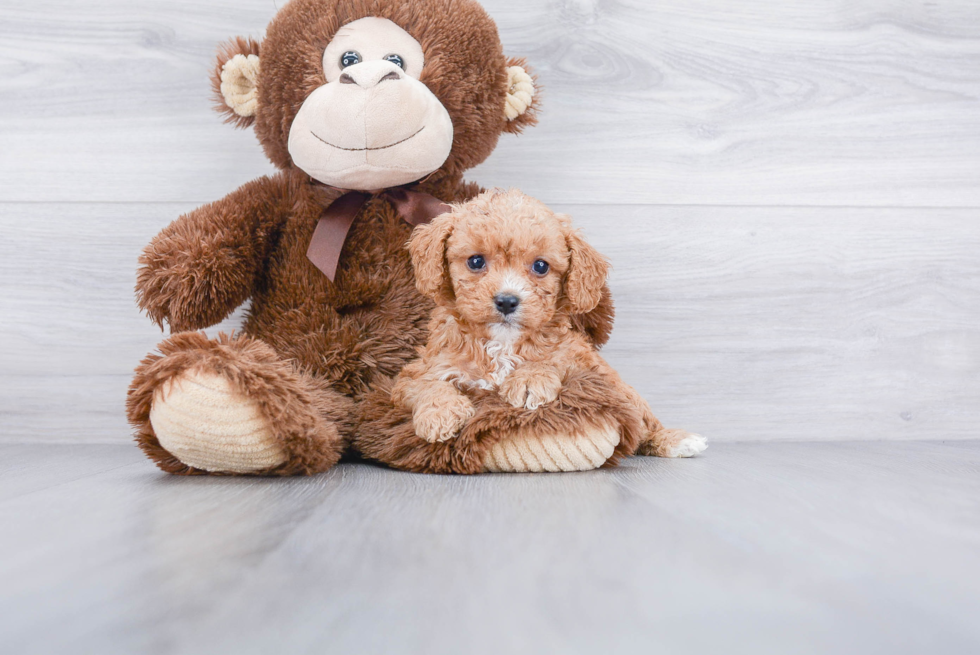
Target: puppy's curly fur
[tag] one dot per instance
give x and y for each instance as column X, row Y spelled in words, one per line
column 508, row 277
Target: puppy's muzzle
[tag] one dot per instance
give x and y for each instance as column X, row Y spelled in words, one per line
column 506, row 303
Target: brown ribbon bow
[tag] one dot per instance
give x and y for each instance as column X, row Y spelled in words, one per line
column 415, row 208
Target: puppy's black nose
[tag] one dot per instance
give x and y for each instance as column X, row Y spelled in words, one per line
column 506, row 303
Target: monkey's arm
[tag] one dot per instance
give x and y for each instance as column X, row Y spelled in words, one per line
column 206, row 263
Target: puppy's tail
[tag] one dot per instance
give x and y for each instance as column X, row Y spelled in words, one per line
column 658, row 441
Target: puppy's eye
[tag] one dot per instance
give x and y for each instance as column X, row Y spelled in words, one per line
column 540, row 267
column 349, row 58
column 476, row 263
column 396, row 60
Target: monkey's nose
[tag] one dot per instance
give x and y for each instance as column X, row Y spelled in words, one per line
column 506, row 303
column 369, row 74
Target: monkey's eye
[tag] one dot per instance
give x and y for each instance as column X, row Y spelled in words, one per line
column 350, row 58
column 476, row 263
column 540, row 267
column 396, row 60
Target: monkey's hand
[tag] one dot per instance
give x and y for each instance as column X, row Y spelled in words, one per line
column 531, row 386
column 206, row 263
column 189, row 282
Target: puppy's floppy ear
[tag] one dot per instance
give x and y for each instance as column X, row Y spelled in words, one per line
column 235, row 81
column 586, row 275
column 521, row 103
column 428, row 250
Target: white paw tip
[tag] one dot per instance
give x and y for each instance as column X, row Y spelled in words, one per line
column 690, row 446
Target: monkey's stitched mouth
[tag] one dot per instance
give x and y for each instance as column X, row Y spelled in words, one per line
column 390, row 145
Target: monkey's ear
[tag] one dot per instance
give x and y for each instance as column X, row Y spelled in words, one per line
column 235, row 81
column 521, row 104
column 428, row 250
column 586, row 275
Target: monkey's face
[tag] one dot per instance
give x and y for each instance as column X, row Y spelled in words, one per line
column 370, row 94
column 373, row 124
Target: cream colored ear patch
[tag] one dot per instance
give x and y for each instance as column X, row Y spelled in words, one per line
column 239, row 84
column 520, row 92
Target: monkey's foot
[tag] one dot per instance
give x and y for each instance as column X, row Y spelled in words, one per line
column 205, row 423
column 527, row 452
column 231, row 405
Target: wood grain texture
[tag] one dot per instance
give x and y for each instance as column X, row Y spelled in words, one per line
column 752, row 548
column 677, row 102
column 739, row 323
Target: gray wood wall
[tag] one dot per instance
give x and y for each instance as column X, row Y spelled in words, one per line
column 789, row 193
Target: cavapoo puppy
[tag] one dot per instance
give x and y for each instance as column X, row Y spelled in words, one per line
column 508, row 276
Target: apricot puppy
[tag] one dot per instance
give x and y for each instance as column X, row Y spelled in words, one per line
column 508, row 275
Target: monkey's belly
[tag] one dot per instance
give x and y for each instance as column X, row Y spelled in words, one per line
column 535, row 453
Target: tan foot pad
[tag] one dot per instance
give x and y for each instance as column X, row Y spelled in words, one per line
column 526, row 453
column 205, row 423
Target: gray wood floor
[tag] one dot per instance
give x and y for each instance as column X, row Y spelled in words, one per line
column 753, row 548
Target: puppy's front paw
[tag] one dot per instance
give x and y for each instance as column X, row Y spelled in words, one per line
column 531, row 388
column 442, row 420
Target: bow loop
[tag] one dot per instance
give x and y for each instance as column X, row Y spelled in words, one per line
column 414, row 207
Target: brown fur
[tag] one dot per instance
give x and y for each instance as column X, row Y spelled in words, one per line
column 316, row 335
column 446, row 408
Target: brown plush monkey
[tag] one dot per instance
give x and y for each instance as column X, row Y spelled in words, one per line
column 394, row 99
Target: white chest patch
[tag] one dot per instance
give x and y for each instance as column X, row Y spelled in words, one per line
column 500, row 348
column 503, row 361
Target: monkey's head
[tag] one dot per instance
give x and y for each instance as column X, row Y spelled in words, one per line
column 370, row 94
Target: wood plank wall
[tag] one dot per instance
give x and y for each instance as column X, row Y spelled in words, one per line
column 789, row 193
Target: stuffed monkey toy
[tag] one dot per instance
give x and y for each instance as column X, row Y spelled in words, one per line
column 371, row 110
